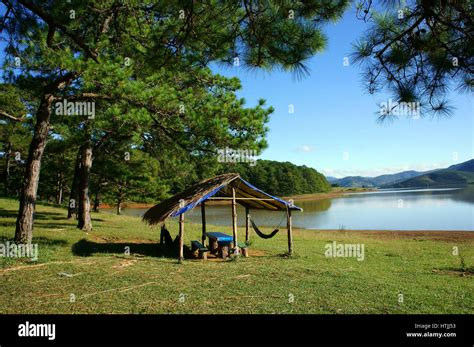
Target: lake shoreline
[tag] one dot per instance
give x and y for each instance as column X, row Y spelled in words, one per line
column 440, row 235
column 443, row 234
column 356, row 209
column 336, row 193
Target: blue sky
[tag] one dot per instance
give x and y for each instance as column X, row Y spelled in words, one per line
column 333, row 128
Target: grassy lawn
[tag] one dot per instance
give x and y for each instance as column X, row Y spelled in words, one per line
column 93, row 269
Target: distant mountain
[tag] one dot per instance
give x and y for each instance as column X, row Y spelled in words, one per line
column 360, row 181
column 440, row 178
column 409, row 178
column 466, row 166
column 354, row 181
column 394, row 178
column 456, row 175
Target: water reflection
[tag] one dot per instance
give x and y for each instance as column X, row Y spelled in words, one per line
column 314, row 205
column 435, row 209
column 466, row 195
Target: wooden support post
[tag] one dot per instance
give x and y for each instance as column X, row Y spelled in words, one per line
column 213, row 246
column 203, row 217
column 162, row 235
column 247, row 224
column 181, row 236
column 223, row 251
column 234, row 222
column 290, row 231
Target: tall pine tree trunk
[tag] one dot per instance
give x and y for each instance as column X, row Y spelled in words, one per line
column 24, row 222
column 84, row 216
column 7, row 168
column 59, row 191
column 73, row 195
column 120, row 197
column 97, row 199
column 119, row 206
column 29, row 191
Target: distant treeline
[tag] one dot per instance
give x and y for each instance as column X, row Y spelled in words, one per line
column 282, row 178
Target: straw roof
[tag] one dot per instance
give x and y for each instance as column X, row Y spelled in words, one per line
column 219, row 186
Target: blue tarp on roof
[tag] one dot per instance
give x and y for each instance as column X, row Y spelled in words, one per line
column 247, row 194
column 193, row 204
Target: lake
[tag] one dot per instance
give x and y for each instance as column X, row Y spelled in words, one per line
column 415, row 209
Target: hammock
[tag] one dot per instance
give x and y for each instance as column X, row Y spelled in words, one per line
column 262, row 235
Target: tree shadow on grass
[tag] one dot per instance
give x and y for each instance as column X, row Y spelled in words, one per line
column 8, row 213
column 4, row 213
column 49, row 216
column 52, row 225
column 41, row 241
column 52, row 217
column 86, row 248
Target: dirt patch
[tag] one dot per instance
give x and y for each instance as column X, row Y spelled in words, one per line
column 455, row 272
column 39, row 266
column 114, row 239
column 242, row 276
column 256, row 253
column 125, row 263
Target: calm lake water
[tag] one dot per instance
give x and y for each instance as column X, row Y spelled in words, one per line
column 416, row 209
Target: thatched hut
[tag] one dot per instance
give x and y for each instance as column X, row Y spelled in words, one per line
column 224, row 187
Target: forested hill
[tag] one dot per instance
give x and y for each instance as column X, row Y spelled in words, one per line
column 281, row 178
column 454, row 176
column 465, row 166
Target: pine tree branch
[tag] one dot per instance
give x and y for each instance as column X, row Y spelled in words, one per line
column 61, row 82
column 13, row 118
column 54, row 23
column 49, row 39
column 5, row 17
column 399, row 36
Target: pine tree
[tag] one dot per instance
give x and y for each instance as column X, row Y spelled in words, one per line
column 418, row 51
column 83, row 50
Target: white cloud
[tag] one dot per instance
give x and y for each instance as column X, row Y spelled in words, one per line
column 305, row 148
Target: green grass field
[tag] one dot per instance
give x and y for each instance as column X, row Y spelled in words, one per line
column 92, row 271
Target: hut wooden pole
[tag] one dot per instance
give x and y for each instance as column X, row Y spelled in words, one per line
column 203, row 216
column 247, row 224
column 181, row 236
column 234, row 222
column 290, row 231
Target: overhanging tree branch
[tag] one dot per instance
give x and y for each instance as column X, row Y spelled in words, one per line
column 53, row 23
column 13, row 118
column 399, row 36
